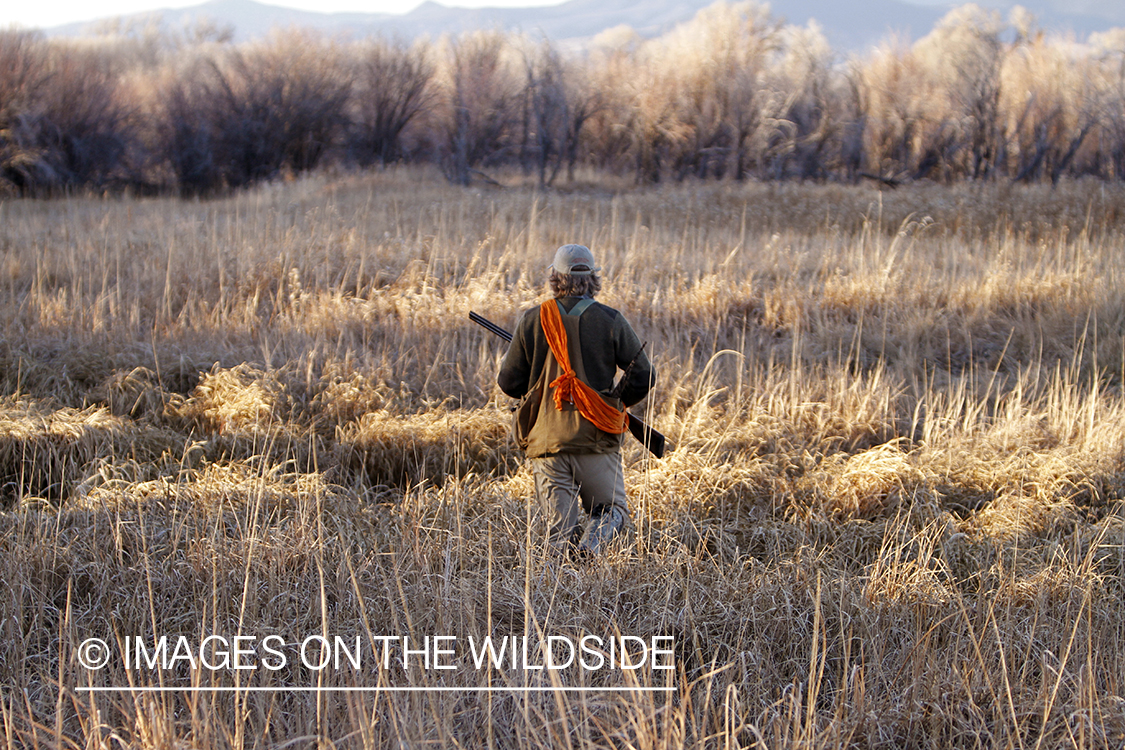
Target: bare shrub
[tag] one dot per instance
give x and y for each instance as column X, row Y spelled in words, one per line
column 1054, row 109
column 85, row 129
column 894, row 88
column 718, row 61
column 1108, row 71
column 610, row 139
column 251, row 113
column 645, row 111
column 965, row 55
column 558, row 101
column 23, row 68
column 145, row 43
column 480, row 91
column 730, row 94
column 803, row 106
column 392, row 86
column 188, row 139
column 62, row 121
column 548, row 119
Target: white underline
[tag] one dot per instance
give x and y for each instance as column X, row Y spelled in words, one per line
column 266, row 689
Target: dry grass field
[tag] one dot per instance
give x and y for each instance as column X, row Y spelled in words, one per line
column 893, row 517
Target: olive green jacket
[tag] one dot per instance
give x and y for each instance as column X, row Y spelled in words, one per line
column 599, row 341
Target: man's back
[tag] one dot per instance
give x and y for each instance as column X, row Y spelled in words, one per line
column 608, row 343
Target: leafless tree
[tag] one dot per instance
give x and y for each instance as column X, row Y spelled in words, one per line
column 22, row 72
column 393, row 85
column 560, row 104
column 585, row 102
column 480, row 95
column 252, row 114
column 613, row 76
column 84, row 127
column 731, row 94
column 719, row 59
column 802, row 106
column 966, row 51
column 1107, row 69
column 191, row 130
column 892, row 87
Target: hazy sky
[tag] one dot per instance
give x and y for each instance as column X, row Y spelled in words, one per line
column 44, row 13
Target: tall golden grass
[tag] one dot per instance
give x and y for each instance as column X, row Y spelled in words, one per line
column 893, row 516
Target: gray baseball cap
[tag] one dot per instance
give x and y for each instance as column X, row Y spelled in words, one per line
column 574, row 260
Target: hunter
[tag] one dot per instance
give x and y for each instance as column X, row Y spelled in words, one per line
column 571, row 420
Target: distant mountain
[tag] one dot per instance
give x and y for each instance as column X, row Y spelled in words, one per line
column 1094, row 15
column 849, row 26
column 248, row 19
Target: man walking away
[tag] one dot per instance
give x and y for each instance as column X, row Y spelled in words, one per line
column 562, row 362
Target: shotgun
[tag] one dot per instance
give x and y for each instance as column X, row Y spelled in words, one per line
column 650, row 438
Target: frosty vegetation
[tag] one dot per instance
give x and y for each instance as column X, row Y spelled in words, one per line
column 733, row 94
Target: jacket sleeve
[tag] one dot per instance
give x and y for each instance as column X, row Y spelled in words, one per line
column 642, row 377
column 515, row 370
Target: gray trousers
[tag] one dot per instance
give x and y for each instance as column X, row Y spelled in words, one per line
column 564, row 479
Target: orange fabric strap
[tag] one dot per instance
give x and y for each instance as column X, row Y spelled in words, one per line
column 568, row 387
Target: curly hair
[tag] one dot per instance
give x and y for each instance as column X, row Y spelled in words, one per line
column 574, row 285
